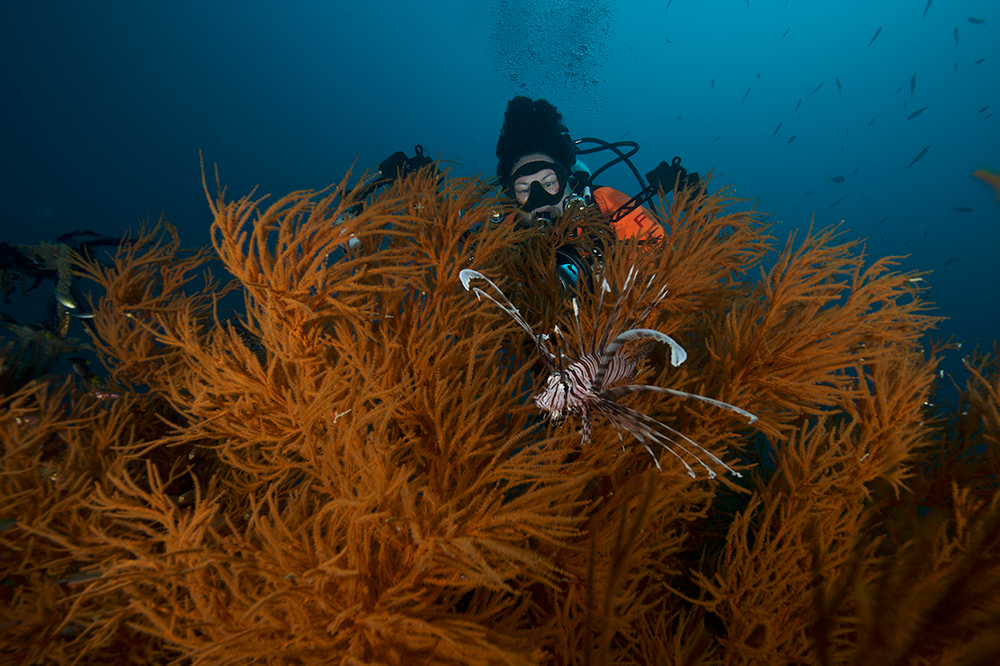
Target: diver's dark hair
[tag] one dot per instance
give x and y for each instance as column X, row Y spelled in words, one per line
column 533, row 127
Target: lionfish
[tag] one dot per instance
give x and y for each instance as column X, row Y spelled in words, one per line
column 587, row 384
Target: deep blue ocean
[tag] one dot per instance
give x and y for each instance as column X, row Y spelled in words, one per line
column 106, row 105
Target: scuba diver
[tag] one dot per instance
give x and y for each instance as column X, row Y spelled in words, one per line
column 539, row 168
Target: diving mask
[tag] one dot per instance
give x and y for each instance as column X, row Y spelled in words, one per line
column 538, row 195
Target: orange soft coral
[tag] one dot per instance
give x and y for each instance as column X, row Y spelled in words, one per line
column 347, row 469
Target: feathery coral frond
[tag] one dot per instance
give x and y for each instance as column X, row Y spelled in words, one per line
column 345, row 465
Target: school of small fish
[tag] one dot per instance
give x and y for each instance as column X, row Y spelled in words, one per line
column 986, row 176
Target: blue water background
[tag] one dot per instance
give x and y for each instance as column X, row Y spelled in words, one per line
column 106, row 105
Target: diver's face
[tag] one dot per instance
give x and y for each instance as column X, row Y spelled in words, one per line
column 545, row 182
column 546, row 177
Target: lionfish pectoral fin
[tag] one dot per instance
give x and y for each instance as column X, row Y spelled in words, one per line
column 619, row 391
column 639, row 424
column 655, row 460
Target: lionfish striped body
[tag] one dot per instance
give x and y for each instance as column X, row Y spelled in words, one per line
column 589, row 383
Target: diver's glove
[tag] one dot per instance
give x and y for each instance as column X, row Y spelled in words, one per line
column 665, row 176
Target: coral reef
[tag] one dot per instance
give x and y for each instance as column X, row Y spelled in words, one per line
column 348, row 468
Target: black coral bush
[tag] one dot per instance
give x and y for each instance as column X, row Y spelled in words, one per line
column 351, row 468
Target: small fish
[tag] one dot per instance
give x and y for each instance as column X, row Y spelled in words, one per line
column 949, row 261
column 925, row 233
column 678, row 117
column 988, row 115
column 776, row 130
column 808, row 193
column 917, row 158
column 713, row 84
column 883, row 239
column 884, row 219
column 748, row 93
column 758, row 76
column 792, row 139
column 835, row 203
column 785, row 33
column 991, row 178
column 668, row 40
column 836, row 179
column 81, row 366
column 975, row 21
column 877, row 32
column 927, row 7
column 66, row 300
column 983, row 109
column 900, row 89
column 961, row 209
column 716, row 138
column 956, row 65
column 816, row 90
column 837, row 81
column 869, row 124
column 979, row 61
column 855, row 173
column 799, row 104
column 956, row 35
column 913, row 83
column 904, row 107
column 917, row 112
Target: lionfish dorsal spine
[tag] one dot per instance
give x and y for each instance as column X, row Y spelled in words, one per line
column 467, row 275
column 605, row 289
column 579, row 328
